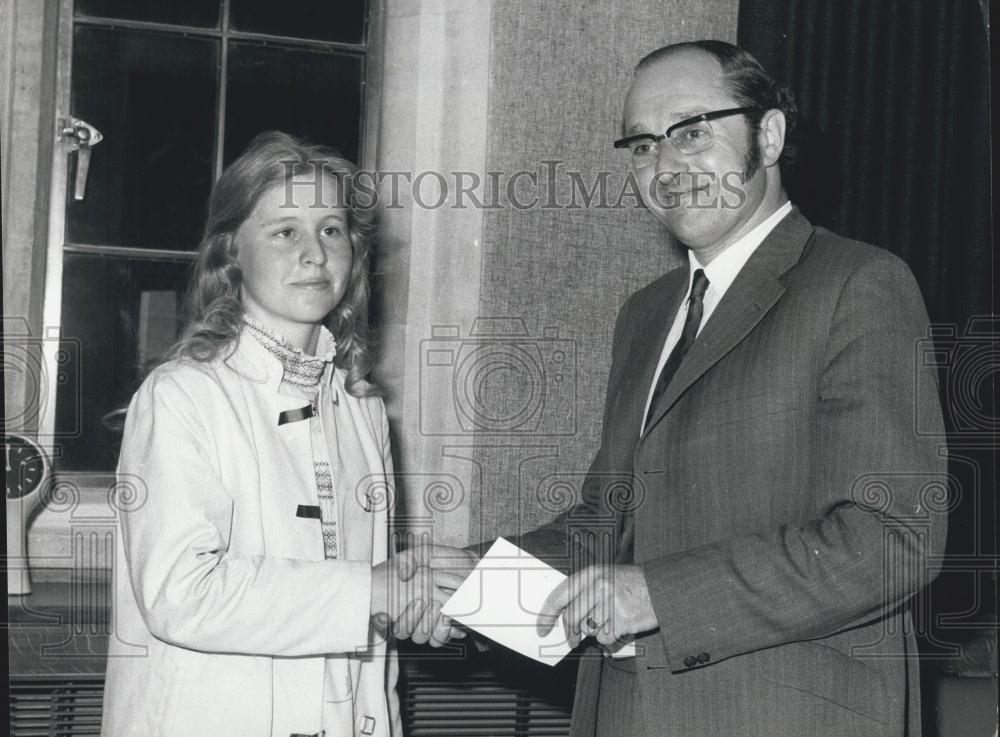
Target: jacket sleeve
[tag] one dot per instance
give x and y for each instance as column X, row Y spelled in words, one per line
column 191, row 591
column 875, row 543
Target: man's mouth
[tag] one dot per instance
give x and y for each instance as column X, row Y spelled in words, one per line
column 673, row 194
column 689, row 190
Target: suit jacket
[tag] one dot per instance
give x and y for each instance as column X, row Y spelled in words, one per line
column 781, row 503
column 228, row 619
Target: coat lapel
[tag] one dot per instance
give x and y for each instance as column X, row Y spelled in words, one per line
column 282, row 454
column 755, row 291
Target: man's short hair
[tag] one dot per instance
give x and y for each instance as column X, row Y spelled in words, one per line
column 749, row 83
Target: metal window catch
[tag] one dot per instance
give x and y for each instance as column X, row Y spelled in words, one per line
column 80, row 136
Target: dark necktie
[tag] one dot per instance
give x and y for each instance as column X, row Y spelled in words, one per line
column 696, row 306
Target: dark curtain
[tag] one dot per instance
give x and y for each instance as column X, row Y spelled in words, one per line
column 893, row 148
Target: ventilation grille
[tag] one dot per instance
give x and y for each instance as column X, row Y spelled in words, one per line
column 56, row 707
column 477, row 706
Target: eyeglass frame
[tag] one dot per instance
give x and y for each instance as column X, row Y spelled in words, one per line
column 704, row 117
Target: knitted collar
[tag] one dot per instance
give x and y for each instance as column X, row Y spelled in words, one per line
column 301, row 370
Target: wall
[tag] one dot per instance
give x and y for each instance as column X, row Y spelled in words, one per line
column 509, row 87
column 27, row 38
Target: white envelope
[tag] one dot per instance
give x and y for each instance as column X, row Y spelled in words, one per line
column 502, row 597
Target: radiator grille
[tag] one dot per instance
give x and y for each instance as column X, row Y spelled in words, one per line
column 476, row 706
column 56, row 707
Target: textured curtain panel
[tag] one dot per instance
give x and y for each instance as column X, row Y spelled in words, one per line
column 895, row 144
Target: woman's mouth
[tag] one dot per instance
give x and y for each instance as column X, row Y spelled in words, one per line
column 315, row 284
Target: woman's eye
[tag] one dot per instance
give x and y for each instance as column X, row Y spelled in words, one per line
column 286, row 233
column 331, row 231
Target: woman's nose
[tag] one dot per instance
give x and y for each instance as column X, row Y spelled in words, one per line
column 312, row 250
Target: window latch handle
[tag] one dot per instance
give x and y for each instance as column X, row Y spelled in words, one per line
column 79, row 136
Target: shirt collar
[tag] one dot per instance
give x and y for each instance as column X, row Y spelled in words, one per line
column 723, row 269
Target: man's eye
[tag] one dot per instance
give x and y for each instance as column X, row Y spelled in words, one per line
column 693, row 134
column 641, row 148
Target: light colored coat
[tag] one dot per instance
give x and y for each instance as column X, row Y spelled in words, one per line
column 228, row 621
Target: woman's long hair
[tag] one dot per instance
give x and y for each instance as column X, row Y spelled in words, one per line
column 212, row 308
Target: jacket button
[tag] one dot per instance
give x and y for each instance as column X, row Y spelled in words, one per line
column 690, row 661
column 703, row 658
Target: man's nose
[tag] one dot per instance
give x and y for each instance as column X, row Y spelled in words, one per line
column 669, row 161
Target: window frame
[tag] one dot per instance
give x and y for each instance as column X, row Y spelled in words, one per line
column 57, row 177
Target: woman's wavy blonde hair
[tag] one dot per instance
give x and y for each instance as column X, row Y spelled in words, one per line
column 212, row 308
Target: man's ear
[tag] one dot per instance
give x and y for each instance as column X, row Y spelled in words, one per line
column 772, row 136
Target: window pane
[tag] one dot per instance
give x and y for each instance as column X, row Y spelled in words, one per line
column 313, row 94
column 153, row 98
column 201, row 13
column 118, row 315
column 342, row 21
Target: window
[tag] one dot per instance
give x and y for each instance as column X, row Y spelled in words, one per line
column 175, row 90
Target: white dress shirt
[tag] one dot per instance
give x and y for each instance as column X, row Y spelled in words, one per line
column 721, row 273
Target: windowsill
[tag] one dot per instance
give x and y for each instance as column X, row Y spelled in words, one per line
column 74, row 528
column 56, row 600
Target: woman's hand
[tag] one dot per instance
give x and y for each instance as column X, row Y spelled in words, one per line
column 449, row 567
column 407, row 597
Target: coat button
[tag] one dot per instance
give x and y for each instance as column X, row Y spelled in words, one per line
column 703, row 658
column 690, row 661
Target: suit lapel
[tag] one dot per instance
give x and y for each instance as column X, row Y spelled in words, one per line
column 637, row 372
column 643, row 354
column 755, row 291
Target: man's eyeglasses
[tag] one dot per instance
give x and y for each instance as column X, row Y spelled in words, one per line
column 690, row 136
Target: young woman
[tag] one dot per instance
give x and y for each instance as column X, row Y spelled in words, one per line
column 253, row 545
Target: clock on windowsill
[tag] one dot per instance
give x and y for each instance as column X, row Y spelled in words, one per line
column 26, row 474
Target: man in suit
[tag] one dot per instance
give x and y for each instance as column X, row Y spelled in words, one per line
column 761, row 506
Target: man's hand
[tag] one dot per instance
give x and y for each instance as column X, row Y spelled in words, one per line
column 406, row 597
column 609, row 602
column 450, row 567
